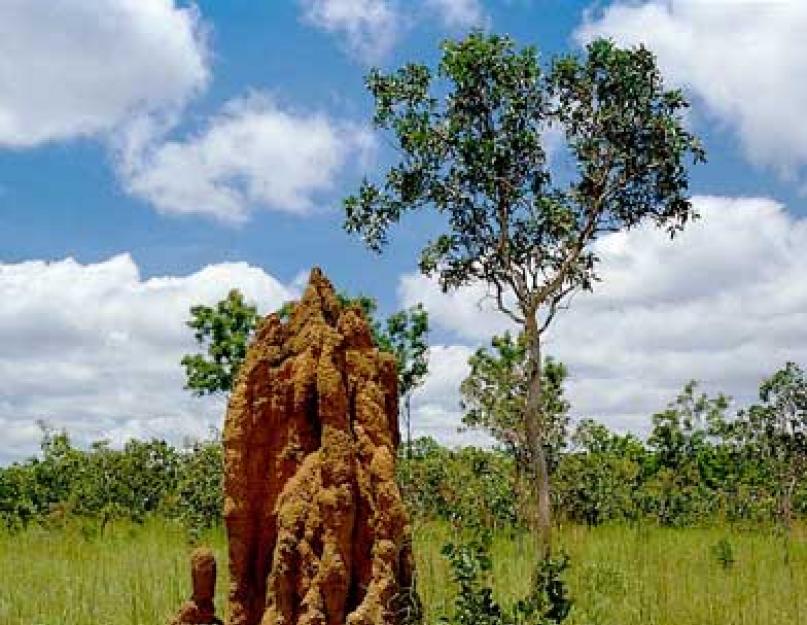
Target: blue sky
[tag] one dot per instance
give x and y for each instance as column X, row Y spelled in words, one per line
column 82, row 210
column 174, row 149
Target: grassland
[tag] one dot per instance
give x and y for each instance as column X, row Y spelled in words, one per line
column 137, row 575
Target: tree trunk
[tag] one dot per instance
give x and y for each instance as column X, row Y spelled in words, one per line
column 787, row 515
column 787, row 503
column 408, row 417
column 536, row 427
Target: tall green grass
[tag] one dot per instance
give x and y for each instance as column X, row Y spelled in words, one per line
column 138, row 575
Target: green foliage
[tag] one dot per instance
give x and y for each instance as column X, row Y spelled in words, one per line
column 546, row 604
column 471, row 138
column 405, row 334
column 102, row 484
column 224, row 332
column 494, row 397
column 773, row 436
column 474, row 604
column 129, row 483
column 687, row 468
column 199, row 491
column 471, row 485
column 723, row 552
column 698, row 467
column 598, row 480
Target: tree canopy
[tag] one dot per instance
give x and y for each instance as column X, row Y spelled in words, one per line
column 224, row 330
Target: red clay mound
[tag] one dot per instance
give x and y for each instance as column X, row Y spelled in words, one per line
column 317, row 531
column 199, row 610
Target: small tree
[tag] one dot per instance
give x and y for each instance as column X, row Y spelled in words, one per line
column 494, row 397
column 472, row 146
column 224, row 330
column 686, row 467
column 405, row 335
column 775, row 432
column 597, row 480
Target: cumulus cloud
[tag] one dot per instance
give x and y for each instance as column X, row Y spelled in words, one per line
column 123, row 70
column 95, row 348
column 435, row 405
column 369, row 28
column 74, row 68
column 254, row 154
column 459, row 14
column 724, row 303
column 744, row 61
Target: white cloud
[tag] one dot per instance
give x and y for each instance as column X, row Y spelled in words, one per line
column 724, row 303
column 369, row 28
column 75, row 68
column 459, row 14
column 470, row 313
column 435, row 405
column 123, row 70
column 744, row 60
column 95, row 348
column 254, row 154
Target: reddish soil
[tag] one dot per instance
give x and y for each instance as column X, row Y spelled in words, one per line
column 200, row 610
column 318, row 534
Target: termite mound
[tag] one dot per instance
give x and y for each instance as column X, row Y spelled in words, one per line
column 317, row 530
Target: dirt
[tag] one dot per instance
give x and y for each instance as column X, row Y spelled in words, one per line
column 199, row 610
column 317, row 530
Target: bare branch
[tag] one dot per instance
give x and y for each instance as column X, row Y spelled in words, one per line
column 555, row 306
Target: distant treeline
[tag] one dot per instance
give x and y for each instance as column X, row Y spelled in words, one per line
column 694, row 469
column 104, row 484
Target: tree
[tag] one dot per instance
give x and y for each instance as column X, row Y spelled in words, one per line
column 596, row 482
column 682, row 430
column 472, row 144
column 224, row 330
column 775, row 431
column 406, row 336
column 494, row 398
column 687, row 471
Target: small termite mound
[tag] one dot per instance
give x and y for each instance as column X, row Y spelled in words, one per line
column 199, row 610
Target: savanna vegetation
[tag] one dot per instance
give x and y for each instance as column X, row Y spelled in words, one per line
column 699, row 522
column 702, row 522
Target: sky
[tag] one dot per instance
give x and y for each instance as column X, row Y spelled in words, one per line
column 156, row 153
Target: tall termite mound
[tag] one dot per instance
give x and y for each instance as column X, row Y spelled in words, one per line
column 317, row 529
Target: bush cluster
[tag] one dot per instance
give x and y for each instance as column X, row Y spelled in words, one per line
column 104, row 484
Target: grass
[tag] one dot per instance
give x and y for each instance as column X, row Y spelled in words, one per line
column 138, row 575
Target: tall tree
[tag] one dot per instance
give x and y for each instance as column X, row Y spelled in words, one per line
column 472, row 142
